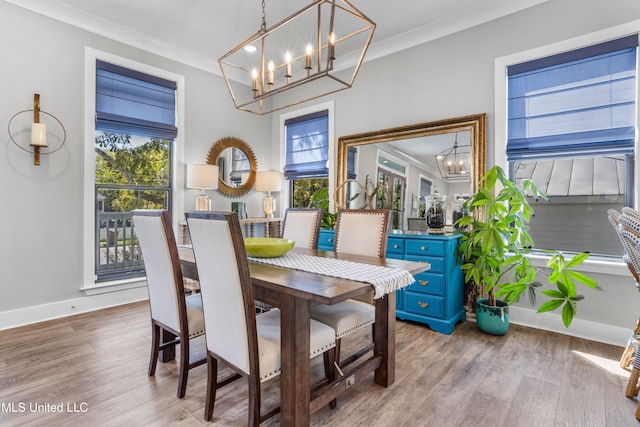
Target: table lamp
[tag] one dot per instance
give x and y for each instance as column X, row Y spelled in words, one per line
column 268, row 181
column 204, row 177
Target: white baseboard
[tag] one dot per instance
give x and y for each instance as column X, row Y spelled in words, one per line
column 55, row 310
column 580, row 328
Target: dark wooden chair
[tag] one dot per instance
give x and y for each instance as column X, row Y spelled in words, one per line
column 171, row 311
column 247, row 342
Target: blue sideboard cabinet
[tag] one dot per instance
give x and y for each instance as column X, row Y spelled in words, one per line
column 437, row 297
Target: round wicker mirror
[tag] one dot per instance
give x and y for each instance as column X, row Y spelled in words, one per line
column 236, row 163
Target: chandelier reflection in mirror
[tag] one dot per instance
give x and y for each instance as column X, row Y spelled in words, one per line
column 314, row 52
column 455, row 162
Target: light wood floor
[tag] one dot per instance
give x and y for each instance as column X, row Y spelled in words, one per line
column 96, row 364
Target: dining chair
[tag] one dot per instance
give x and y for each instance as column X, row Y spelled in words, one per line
column 170, row 310
column 302, row 225
column 360, row 232
column 247, row 342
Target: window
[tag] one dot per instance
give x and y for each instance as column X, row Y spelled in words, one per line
column 306, row 156
column 571, row 128
column 391, row 184
column 135, row 128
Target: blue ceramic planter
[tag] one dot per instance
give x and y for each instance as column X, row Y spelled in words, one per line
column 492, row 320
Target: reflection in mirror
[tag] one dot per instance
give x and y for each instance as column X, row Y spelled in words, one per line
column 398, row 167
column 234, row 167
column 237, row 166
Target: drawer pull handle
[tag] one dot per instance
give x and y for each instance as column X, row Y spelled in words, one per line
column 423, row 282
column 395, row 246
column 423, row 304
column 423, row 248
column 329, row 239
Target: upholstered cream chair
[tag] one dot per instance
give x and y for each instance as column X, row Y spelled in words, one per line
column 248, row 343
column 170, row 310
column 360, row 232
column 302, row 226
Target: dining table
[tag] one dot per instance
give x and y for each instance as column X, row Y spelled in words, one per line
column 295, row 292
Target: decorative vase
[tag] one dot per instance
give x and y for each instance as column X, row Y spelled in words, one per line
column 436, row 212
column 458, row 211
column 492, row 320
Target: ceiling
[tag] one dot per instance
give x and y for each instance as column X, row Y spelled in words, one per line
column 198, row 32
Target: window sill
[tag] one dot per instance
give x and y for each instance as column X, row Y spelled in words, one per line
column 614, row 268
column 114, row 286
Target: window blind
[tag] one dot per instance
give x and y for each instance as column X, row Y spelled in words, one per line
column 576, row 103
column 134, row 103
column 351, row 163
column 307, row 146
column 425, row 187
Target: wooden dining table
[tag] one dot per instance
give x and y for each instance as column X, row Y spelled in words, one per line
column 295, row 292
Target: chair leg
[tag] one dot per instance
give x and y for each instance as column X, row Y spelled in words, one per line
column 337, row 356
column 155, row 349
column 329, row 358
column 184, row 366
column 632, row 390
column 212, row 378
column 254, row 401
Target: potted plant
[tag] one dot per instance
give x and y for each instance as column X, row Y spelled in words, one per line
column 494, row 254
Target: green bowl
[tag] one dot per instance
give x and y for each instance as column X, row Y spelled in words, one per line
column 267, row 247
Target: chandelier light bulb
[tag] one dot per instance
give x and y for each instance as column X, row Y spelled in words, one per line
column 287, row 58
column 332, row 46
column 270, row 77
column 308, row 59
column 254, row 77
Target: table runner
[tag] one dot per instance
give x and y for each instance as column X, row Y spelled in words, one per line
column 383, row 279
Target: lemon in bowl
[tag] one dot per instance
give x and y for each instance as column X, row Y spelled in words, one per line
column 267, row 247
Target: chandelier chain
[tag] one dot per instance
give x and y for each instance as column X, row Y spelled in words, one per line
column 264, row 17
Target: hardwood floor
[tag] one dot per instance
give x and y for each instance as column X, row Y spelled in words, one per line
column 94, row 367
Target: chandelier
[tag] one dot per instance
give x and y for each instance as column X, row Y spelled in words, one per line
column 314, row 52
column 455, row 162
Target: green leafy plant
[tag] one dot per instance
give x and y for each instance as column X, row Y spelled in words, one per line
column 320, row 199
column 494, row 250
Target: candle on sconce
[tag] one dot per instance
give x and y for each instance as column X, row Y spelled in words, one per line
column 287, row 74
column 307, row 59
column 38, row 135
column 332, row 46
column 270, row 77
column 254, row 77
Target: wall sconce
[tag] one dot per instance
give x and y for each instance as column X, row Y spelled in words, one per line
column 204, row 177
column 266, row 182
column 38, row 131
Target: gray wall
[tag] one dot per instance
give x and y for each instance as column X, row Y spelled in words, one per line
column 42, row 206
column 454, row 76
column 40, row 258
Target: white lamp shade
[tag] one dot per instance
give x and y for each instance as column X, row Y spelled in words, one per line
column 268, row 181
column 202, row 176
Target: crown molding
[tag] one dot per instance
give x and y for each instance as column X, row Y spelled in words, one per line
column 482, row 13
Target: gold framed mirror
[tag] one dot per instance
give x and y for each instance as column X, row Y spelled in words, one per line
column 237, row 166
column 403, row 141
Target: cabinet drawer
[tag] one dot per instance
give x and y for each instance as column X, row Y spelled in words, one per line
column 437, row 264
column 325, row 240
column 424, row 305
column 428, row 283
column 424, row 247
column 395, row 246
